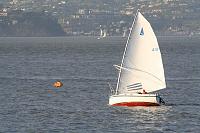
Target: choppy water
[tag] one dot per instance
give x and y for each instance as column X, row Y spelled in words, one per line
column 29, row 103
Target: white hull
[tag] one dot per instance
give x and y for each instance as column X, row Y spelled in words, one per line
column 135, row 100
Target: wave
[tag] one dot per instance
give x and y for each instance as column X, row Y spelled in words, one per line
column 60, row 78
column 184, row 79
column 182, row 104
column 82, row 78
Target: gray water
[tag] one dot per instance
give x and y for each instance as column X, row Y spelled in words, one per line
column 30, row 104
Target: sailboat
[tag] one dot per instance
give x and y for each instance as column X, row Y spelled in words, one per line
column 124, row 34
column 141, row 72
column 103, row 34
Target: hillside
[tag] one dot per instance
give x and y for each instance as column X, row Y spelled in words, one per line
column 29, row 24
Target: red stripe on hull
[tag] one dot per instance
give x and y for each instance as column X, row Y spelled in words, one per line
column 130, row 104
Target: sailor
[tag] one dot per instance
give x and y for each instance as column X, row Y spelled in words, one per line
column 144, row 92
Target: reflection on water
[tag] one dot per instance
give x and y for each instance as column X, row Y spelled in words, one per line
column 143, row 118
column 29, row 102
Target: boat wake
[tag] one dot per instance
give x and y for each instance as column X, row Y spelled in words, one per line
column 182, row 104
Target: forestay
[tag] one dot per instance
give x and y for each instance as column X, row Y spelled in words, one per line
column 141, row 66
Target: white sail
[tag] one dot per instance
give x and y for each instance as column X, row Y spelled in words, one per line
column 104, row 33
column 141, row 66
column 101, row 32
column 124, row 33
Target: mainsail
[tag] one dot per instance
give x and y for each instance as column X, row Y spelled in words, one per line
column 141, row 66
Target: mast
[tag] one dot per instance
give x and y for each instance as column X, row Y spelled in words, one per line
column 118, row 80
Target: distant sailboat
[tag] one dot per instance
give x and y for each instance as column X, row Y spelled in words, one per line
column 141, row 72
column 103, row 34
column 124, row 34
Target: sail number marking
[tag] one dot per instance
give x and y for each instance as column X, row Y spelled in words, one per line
column 155, row 49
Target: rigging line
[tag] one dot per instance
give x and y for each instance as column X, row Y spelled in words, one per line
column 150, row 74
column 142, row 70
column 129, row 69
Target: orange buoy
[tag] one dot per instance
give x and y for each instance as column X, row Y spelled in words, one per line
column 58, row 84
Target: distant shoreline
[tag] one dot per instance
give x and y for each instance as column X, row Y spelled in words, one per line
column 93, row 36
column 108, row 37
column 90, row 40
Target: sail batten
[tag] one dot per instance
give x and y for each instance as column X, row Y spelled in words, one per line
column 142, row 61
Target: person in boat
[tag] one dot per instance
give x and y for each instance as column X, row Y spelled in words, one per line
column 58, row 84
column 144, row 92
